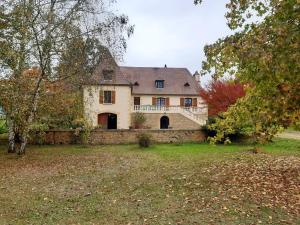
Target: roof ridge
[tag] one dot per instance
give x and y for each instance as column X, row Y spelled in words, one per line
column 154, row 67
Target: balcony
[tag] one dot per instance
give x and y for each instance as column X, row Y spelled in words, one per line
column 197, row 114
column 168, row 109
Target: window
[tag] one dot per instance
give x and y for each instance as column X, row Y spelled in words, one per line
column 159, row 83
column 107, row 75
column 137, row 101
column 188, row 102
column 107, row 97
column 160, row 101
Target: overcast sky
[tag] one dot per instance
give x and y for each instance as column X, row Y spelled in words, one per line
column 172, row 32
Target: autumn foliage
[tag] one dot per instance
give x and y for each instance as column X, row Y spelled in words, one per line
column 219, row 95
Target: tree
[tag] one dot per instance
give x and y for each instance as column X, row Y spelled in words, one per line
column 264, row 53
column 220, row 94
column 37, row 34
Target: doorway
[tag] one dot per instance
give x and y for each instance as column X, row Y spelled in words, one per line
column 112, row 121
column 164, row 122
column 108, row 121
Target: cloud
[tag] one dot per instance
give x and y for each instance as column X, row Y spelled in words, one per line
column 172, row 32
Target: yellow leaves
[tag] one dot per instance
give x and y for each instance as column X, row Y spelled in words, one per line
column 32, row 73
column 264, row 55
column 258, row 127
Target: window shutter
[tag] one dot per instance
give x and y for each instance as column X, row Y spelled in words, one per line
column 181, row 102
column 194, row 102
column 167, row 102
column 101, row 97
column 153, row 101
column 113, row 97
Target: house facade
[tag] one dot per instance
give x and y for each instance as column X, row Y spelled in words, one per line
column 168, row 98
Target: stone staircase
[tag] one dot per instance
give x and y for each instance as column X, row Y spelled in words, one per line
column 195, row 114
column 195, row 117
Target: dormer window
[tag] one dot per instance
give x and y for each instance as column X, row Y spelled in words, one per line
column 136, row 84
column 107, row 75
column 187, row 84
column 159, row 83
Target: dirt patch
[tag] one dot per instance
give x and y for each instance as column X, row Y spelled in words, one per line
column 290, row 135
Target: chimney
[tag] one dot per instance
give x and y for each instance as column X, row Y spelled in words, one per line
column 197, row 77
column 166, row 66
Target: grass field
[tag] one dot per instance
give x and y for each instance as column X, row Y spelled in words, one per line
column 165, row 184
column 3, row 128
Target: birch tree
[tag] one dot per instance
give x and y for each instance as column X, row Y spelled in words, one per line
column 34, row 35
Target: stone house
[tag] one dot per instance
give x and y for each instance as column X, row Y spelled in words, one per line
column 167, row 97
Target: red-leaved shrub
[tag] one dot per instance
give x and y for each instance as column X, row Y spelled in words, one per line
column 219, row 95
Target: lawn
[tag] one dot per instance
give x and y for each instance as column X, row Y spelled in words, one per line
column 3, row 128
column 165, row 184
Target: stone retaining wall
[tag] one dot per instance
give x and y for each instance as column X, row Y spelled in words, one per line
column 124, row 136
column 177, row 121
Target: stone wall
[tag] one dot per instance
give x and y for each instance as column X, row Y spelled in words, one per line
column 177, row 121
column 124, row 136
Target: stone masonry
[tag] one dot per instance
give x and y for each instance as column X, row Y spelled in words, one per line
column 124, row 136
column 176, row 121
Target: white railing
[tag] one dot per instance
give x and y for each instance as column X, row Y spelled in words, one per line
column 170, row 109
column 154, row 108
column 195, row 116
column 195, row 113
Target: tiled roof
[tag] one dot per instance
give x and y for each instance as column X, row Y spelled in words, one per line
column 175, row 80
column 107, row 62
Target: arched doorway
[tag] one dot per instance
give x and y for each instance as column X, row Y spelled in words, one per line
column 164, row 122
column 108, row 121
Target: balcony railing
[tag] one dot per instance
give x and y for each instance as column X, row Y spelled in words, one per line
column 198, row 114
column 169, row 109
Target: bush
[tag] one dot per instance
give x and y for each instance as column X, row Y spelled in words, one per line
column 82, row 131
column 38, row 132
column 236, row 137
column 296, row 126
column 138, row 120
column 78, row 123
column 144, row 140
column 206, row 130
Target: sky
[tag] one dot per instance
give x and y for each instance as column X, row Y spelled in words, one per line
column 172, row 32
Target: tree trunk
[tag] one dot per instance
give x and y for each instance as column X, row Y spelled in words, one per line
column 24, row 137
column 11, row 137
column 21, row 150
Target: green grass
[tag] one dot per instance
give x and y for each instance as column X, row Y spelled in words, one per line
column 3, row 136
column 164, row 184
column 3, row 128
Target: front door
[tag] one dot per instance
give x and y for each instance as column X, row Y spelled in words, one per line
column 102, row 120
column 112, row 121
